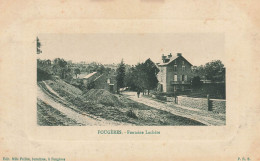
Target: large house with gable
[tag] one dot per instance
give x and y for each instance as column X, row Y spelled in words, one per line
column 175, row 73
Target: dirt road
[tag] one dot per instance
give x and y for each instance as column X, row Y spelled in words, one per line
column 205, row 117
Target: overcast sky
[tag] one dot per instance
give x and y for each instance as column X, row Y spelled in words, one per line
column 198, row 49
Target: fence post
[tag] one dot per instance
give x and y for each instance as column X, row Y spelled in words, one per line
column 175, row 97
column 209, row 106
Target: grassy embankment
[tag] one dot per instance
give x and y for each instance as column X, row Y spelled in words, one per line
column 102, row 103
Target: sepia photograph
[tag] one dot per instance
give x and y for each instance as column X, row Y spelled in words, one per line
column 120, row 80
column 131, row 79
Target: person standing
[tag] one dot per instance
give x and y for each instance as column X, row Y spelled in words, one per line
column 138, row 93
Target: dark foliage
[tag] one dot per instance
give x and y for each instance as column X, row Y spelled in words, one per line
column 38, row 46
column 43, row 75
column 120, row 77
column 214, row 71
column 196, row 83
column 142, row 76
column 76, row 72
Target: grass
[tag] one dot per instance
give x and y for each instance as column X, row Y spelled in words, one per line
column 104, row 104
column 48, row 116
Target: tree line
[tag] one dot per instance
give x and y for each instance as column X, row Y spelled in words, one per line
column 140, row 77
column 213, row 71
column 67, row 70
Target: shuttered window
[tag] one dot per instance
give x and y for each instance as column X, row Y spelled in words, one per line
column 182, row 78
column 183, row 68
column 175, row 68
column 185, row 78
column 175, row 78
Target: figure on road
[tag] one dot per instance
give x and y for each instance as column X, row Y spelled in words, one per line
column 138, row 93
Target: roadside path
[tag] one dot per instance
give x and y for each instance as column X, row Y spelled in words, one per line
column 205, row 117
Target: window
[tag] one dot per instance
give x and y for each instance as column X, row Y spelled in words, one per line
column 108, row 81
column 182, row 62
column 183, row 68
column 182, row 77
column 175, row 68
column 185, row 78
column 175, row 78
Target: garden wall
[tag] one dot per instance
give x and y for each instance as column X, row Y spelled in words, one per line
column 215, row 105
column 200, row 103
column 218, row 105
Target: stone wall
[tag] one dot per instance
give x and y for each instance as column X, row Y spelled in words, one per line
column 170, row 99
column 199, row 103
column 215, row 105
column 218, row 105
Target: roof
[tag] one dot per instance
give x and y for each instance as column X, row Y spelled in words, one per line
column 98, row 77
column 171, row 60
column 89, row 75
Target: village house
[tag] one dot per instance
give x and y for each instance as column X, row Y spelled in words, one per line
column 89, row 78
column 175, row 73
column 105, row 81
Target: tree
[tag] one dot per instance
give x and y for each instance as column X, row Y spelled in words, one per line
column 199, row 71
column 48, row 62
column 130, row 78
column 144, row 76
column 76, row 71
column 120, row 77
column 38, row 46
column 61, row 68
column 140, row 76
column 62, row 63
column 214, row 70
column 196, row 83
column 101, row 69
column 44, row 65
column 150, row 75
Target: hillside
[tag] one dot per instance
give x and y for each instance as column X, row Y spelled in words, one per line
column 60, row 103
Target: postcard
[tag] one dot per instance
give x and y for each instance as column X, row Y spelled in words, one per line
column 129, row 80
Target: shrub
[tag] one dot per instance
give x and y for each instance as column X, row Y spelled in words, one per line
column 130, row 113
column 43, row 75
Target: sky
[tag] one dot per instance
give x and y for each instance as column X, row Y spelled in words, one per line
column 198, row 48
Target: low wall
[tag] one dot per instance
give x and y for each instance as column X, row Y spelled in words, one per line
column 200, row 103
column 218, row 105
column 215, row 105
column 170, row 99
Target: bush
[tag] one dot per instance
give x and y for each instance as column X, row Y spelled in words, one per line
column 43, row 75
column 130, row 113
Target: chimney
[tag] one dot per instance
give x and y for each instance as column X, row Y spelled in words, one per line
column 179, row 54
column 163, row 58
column 170, row 55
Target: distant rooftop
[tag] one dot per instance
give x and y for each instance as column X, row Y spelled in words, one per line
column 170, row 58
column 89, row 75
